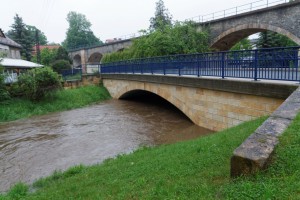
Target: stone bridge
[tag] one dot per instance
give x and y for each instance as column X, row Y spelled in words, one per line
column 225, row 32
column 215, row 104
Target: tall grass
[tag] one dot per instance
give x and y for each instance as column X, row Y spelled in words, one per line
column 58, row 101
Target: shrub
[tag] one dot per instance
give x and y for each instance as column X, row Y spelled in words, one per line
column 61, row 65
column 36, row 83
column 4, row 95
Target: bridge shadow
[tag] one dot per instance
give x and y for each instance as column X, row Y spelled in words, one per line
column 151, row 99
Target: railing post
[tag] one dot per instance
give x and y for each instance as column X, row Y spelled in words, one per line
column 198, row 67
column 223, row 64
column 179, row 71
column 255, row 64
column 164, row 69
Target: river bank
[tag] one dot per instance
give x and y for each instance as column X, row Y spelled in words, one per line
column 197, row 169
column 59, row 101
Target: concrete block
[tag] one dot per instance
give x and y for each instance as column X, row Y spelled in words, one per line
column 273, row 126
column 253, row 154
column 288, row 110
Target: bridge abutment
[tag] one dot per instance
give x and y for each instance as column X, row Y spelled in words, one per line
column 208, row 105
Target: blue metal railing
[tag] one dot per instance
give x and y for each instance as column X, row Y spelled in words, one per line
column 269, row 64
column 72, row 74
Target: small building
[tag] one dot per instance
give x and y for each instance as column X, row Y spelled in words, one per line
column 10, row 59
column 34, row 48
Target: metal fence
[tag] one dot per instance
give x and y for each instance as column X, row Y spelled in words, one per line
column 269, row 64
column 71, row 74
column 255, row 5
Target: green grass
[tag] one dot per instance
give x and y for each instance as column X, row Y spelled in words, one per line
column 197, row 169
column 59, row 101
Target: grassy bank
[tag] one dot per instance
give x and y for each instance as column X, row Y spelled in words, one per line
column 59, row 101
column 197, row 169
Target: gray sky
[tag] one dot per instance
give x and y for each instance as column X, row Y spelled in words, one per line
column 109, row 18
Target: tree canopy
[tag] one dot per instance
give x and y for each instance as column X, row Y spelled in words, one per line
column 25, row 35
column 244, row 44
column 162, row 17
column 270, row 39
column 182, row 38
column 79, row 32
column 42, row 37
column 20, row 34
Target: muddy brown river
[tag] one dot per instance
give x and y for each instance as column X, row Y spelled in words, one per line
column 35, row 147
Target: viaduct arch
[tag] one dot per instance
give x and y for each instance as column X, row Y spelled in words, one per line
column 225, row 32
column 283, row 19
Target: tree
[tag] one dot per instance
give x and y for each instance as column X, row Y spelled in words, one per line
column 62, row 54
column 270, row 39
column 244, row 44
column 61, row 65
column 20, row 34
column 162, row 17
column 182, row 38
column 48, row 56
column 42, row 37
column 79, row 32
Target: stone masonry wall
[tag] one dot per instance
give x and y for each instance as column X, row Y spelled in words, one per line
column 212, row 109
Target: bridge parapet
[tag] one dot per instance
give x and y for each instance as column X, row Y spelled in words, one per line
column 215, row 104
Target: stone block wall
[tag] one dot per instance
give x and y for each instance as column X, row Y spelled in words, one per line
column 212, row 109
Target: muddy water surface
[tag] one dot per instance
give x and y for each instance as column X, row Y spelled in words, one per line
column 35, row 147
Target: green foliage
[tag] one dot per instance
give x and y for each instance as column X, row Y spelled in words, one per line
column 36, row 83
column 79, row 32
column 62, row 54
column 60, row 65
column 19, row 191
column 4, row 94
column 60, row 100
column 162, row 17
column 244, row 44
column 20, row 34
column 270, row 39
column 32, row 31
column 48, row 56
column 182, row 38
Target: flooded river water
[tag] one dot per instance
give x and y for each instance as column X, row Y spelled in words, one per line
column 35, row 147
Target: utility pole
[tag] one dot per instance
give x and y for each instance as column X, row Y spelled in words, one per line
column 37, row 46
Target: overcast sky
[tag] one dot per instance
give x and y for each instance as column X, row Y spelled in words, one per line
column 109, row 18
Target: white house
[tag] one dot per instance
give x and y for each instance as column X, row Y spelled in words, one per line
column 11, row 59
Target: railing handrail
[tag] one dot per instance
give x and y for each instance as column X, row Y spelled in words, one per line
column 270, row 63
column 199, row 54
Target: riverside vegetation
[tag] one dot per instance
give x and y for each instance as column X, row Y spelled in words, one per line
column 60, row 100
column 197, row 169
column 39, row 91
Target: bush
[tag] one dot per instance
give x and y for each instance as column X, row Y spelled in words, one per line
column 60, row 65
column 4, row 95
column 36, row 83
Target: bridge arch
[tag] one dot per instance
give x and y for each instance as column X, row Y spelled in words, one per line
column 95, row 57
column 77, row 60
column 162, row 92
column 229, row 38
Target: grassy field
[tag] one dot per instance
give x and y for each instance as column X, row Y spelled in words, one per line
column 59, row 101
column 197, row 169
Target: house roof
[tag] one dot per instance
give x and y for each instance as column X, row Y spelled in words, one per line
column 18, row 63
column 7, row 41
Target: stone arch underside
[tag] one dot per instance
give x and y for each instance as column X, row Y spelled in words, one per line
column 229, row 38
column 77, row 60
column 95, row 58
column 162, row 92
